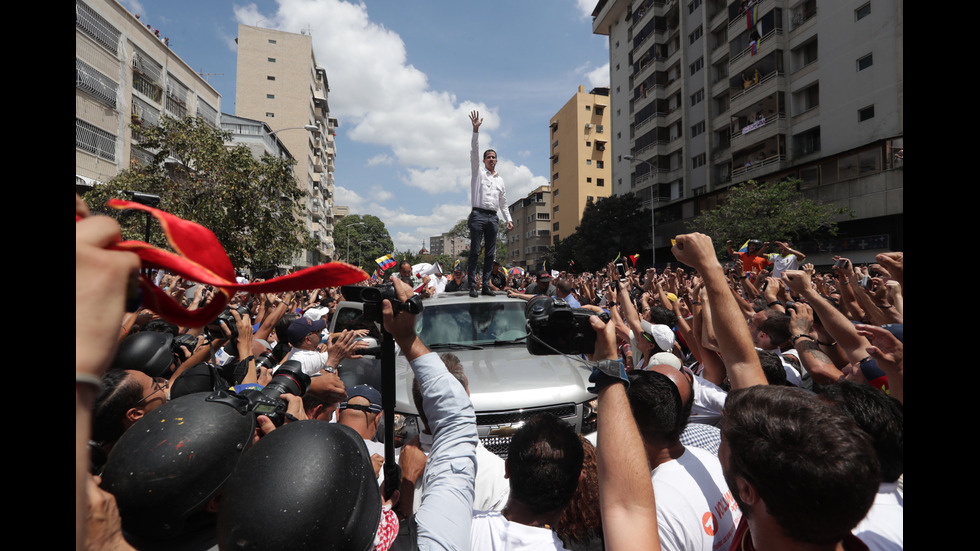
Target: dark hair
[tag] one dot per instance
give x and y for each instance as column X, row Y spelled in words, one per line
column 488, row 151
column 814, row 469
column 662, row 316
column 581, row 521
column 772, row 367
column 776, row 325
column 161, row 326
column 657, row 407
column 119, row 394
column 879, row 415
column 404, row 262
column 544, row 461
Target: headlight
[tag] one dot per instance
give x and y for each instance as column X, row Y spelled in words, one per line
column 590, row 412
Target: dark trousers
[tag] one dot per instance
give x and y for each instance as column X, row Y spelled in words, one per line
column 483, row 227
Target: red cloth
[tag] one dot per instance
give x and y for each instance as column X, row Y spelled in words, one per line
column 754, row 262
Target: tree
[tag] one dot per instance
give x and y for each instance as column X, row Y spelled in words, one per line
column 252, row 206
column 368, row 240
column 613, row 226
column 767, row 211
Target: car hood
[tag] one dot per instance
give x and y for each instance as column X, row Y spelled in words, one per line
column 506, row 378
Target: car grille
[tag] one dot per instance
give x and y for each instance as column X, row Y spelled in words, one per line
column 500, row 444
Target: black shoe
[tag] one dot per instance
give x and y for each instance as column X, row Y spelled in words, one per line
column 473, row 292
column 486, row 291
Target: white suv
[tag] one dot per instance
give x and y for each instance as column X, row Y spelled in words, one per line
column 507, row 384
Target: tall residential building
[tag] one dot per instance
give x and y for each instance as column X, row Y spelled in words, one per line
column 531, row 236
column 707, row 94
column 580, row 171
column 126, row 74
column 256, row 135
column 279, row 82
column 447, row 244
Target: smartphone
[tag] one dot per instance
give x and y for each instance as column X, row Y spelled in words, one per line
column 841, row 263
column 621, row 270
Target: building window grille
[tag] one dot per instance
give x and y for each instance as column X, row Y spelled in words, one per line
column 147, row 76
column 177, row 95
column 96, row 27
column 95, row 84
column 95, row 140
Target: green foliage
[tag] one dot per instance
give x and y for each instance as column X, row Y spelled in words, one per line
column 252, row 206
column 768, row 211
column 368, row 240
column 615, row 225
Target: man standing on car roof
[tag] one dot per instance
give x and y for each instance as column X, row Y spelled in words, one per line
column 487, row 194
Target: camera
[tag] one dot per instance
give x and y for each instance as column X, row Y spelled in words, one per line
column 213, row 329
column 289, row 378
column 553, row 326
column 190, row 341
column 373, row 296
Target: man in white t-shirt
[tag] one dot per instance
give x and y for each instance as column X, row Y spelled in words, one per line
column 695, row 509
column 786, row 259
column 544, row 464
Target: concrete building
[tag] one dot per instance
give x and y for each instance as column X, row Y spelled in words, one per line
column 580, row 171
column 279, row 82
column 125, row 73
column 256, row 135
column 706, row 94
column 531, row 236
column 447, row 244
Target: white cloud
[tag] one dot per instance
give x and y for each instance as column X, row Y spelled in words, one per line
column 379, row 159
column 585, row 7
column 599, row 76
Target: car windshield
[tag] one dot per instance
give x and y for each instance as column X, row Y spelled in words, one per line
column 470, row 323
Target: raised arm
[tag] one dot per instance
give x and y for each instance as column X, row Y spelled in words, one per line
column 737, row 350
column 847, row 337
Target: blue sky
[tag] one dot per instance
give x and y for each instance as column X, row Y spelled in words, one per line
column 403, row 77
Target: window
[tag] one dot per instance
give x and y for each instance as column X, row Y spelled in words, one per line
column 588, row 107
column 96, row 27
column 693, row 37
column 95, row 140
column 555, row 228
column 866, row 113
column 600, row 182
column 617, row 66
column 556, row 193
column 598, row 110
column 697, row 65
column 804, row 55
column 270, row 77
column 589, row 199
column 543, row 216
column 588, row 180
column 95, row 84
column 271, row 60
column 697, row 129
column 806, row 99
column 588, row 162
column 693, row 6
column 556, row 206
column 554, row 177
column 270, row 96
column 698, row 160
column 862, row 12
column 600, row 164
column 270, row 115
column 599, row 129
column 697, row 97
column 807, row 142
column 865, row 62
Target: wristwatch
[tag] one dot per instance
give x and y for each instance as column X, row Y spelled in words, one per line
column 330, row 369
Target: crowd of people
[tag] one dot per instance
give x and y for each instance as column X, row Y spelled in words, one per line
column 752, row 405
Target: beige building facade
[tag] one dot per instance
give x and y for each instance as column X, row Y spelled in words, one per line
column 528, row 242
column 580, row 171
column 707, row 94
column 125, row 74
column 279, row 82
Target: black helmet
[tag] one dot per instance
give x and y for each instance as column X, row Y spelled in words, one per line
column 173, row 461
column 148, row 352
column 202, row 377
column 307, row 485
column 756, row 242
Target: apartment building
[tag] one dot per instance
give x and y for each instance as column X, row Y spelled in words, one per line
column 255, row 135
column 279, row 82
column 125, row 74
column 531, row 236
column 579, row 153
column 447, row 244
column 706, row 94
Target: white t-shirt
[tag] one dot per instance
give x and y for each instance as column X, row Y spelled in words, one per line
column 490, row 531
column 709, row 401
column 695, row 509
column 884, row 526
column 311, row 360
